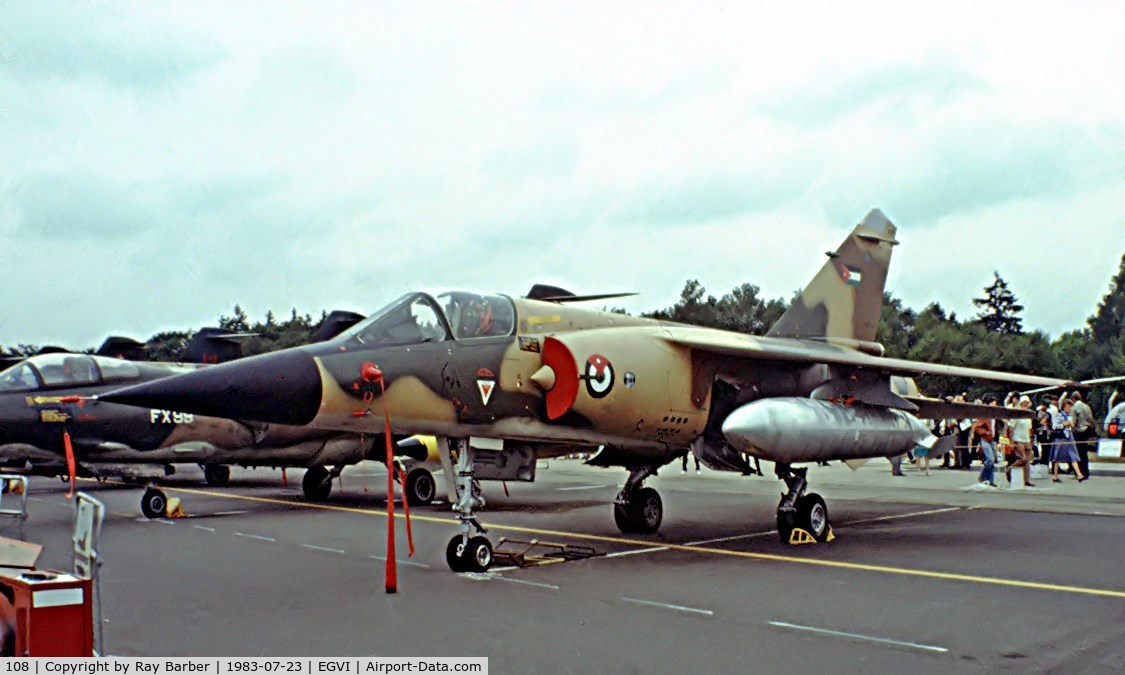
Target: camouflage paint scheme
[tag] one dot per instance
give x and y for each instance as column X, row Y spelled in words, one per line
column 643, row 389
column 116, row 440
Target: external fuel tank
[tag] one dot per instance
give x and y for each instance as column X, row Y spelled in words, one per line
column 790, row 429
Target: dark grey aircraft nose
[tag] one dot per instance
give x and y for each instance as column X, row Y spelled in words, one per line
column 282, row 387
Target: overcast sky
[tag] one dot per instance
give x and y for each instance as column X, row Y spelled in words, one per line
column 160, row 162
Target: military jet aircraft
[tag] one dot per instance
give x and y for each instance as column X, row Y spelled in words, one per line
column 498, row 374
column 50, row 418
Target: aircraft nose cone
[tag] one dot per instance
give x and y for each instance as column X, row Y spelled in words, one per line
column 283, row 387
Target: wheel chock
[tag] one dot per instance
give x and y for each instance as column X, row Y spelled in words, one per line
column 801, row 536
column 15, row 487
column 174, row 509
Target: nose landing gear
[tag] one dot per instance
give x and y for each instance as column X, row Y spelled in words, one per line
column 467, row 552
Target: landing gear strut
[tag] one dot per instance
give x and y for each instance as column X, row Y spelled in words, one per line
column 801, row 515
column 467, row 552
column 638, row 509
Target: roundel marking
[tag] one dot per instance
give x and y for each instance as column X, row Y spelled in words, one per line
column 599, row 376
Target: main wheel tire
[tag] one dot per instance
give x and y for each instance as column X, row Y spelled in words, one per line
column 478, row 554
column 812, row 515
column 216, row 474
column 624, row 520
column 420, row 487
column 647, row 510
column 154, row 503
column 455, row 556
column 316, row 484
column 786, row 521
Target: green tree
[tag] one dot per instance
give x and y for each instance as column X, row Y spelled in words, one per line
column 999, row 308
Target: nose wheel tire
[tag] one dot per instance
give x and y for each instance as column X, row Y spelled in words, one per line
column 316, row 484
column 642, row 514
column 476, row 556
column 479, row 554
column 420, row 487
column 216, row 474
column 454, row 555
column 154, row 503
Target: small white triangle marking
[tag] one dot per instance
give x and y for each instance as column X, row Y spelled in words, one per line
column 485, row 387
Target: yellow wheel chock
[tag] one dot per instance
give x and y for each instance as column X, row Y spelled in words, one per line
column 174, row 509
column 802, row 536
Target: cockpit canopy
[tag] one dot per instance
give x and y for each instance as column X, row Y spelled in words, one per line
column 418, row 317
column 66, row 370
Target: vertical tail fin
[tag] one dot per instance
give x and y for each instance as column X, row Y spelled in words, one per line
column 845, row 297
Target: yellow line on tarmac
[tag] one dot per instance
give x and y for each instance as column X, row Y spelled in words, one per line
column 948, row 576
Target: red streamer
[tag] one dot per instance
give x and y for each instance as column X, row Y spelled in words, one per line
column 70, row 464
column 390, row 576
column 406, row 511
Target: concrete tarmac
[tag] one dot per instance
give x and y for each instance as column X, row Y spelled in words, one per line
column 927, row 574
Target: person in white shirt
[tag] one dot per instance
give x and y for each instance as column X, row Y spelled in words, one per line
column 1019, row 432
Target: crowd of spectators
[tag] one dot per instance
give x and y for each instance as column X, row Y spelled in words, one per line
column 1063, row 432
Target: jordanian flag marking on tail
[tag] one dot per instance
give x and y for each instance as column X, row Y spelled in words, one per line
column 850, row 275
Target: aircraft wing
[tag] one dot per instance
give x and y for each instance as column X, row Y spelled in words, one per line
column 798, row 351
column 1083, row 383
column 16, row 451
column 939, row 409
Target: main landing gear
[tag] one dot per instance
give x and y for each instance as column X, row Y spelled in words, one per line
column 317, row 483
column 802, row 517
column 467, row 552
column 216, row 474
column 154, row 503
column 638, row 509
column 420, row 487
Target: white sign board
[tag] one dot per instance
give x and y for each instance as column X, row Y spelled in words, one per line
column 1109, row 447
column 88, row 516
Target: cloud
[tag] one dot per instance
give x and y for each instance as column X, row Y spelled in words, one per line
column 81, row 206
column 185, row 157
column 107, row 42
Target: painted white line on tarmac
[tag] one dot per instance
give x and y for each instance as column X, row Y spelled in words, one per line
column 255, row 536
column 36, row 499
column 857, row 636
column 527, row 583
column 678, row 608
column 636, row 551
column 703, row 542
column 904, row 515
column 230, row 513
column 326, row 549
column 584, row 487
column 204, row 528
column 752, row 535
column 400, row 561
